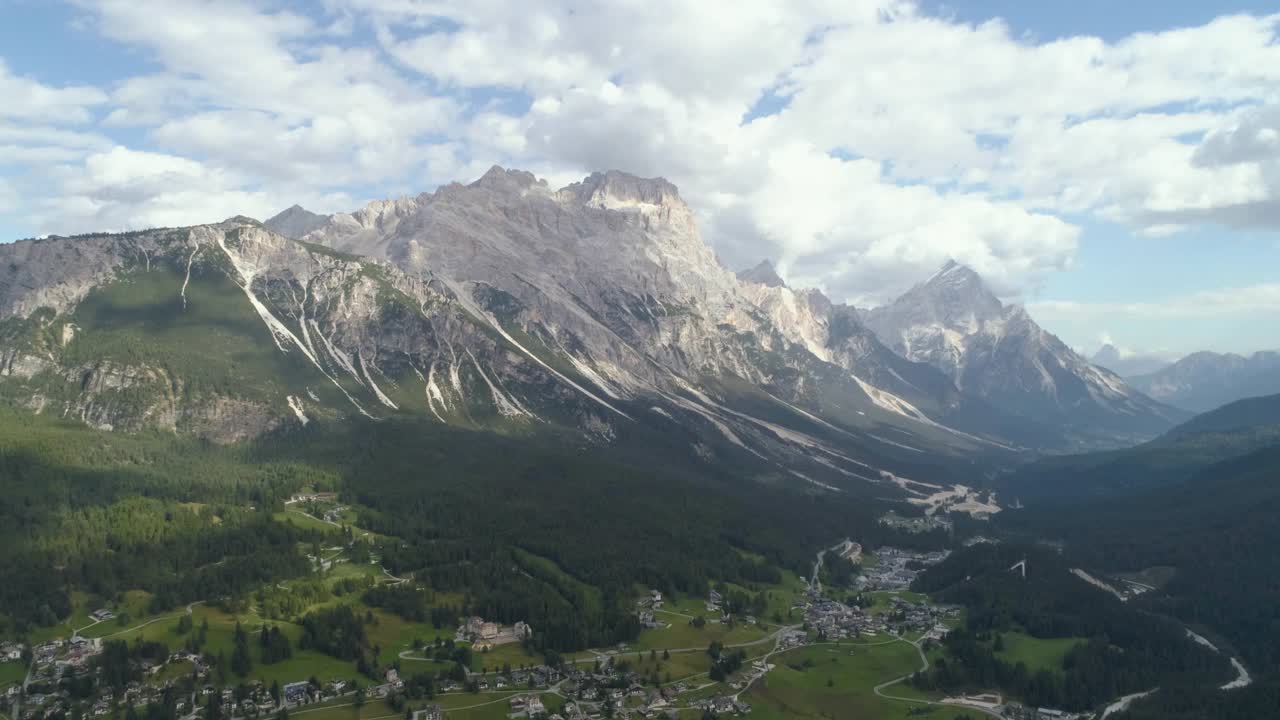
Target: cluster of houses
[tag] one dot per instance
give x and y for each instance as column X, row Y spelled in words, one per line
column 58, row 660
column 11, row 651
column 645, row 610
column 723, row 705
column 311, row 497
column 835, row 620
column 484, row 635
column 588, row 690
column 896, row 568
column 537, row 677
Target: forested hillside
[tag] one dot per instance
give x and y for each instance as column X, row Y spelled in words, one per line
column 1049, row 603
column 188, row 520
column 1232, row 431
column 1211, row 541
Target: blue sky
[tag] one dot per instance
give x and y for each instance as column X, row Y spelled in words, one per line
column 1114, row 166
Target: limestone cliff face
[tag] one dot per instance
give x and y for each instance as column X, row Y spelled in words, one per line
column 504, row 305
column 349, row 335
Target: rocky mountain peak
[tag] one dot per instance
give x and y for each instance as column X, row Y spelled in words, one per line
column 502, row 179
column 954, row 322
column 954, row 297
column 615, row 189
column 295, row 221
column 954, row 277
column 1107, row 355
column 762, row 274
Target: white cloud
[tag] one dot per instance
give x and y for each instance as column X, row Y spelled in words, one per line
column 8, row 196
column 840, row 224
column 27, row 99
column 122, row 188
column 269, row 94
column 1261, row 298
column 957, row 140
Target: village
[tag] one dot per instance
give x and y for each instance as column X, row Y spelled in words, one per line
column 873, row 609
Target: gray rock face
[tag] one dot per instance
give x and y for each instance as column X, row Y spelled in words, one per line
column 1203, row 381
column 295, row 222
column 955, row 323
column 500, row 305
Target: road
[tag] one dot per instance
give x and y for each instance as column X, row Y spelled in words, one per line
column 924, row 665
column 604, row 655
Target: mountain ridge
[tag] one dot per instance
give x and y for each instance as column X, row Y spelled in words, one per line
column 1206, row 380
column 954, row 322
column 503, row 305
column 132, row 332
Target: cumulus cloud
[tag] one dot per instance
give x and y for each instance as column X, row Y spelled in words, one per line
column 28, row 99
column 859, row 144
column 121, row 188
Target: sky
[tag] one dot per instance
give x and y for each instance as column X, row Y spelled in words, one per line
column 1114, row 166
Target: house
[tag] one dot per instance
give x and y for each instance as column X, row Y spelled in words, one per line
column 295, row 693
column 102, row 615
column 475, row 626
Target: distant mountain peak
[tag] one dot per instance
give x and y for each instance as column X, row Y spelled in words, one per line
column 295, row 221
column 954, row 322
column 500, row 178
column 1128, row 363
column 763, row 273
column 954, row 296
column 953, row 274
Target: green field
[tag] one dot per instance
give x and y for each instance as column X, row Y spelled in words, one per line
column 458, row 706
column 12, row 673
column 830, row 681
column 1036, row 653
column 683, row 635
column 512, row 654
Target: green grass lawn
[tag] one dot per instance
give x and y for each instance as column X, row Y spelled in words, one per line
column 1037, row 653
column 132, row 608
column 12, row 673
column 394, row 634
column 511, row 653
column 828, row 681
column 221, row 639
column 304, row 521
column 681, row 634
column 460, row 706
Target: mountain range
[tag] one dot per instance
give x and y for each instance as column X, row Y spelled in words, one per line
column 953, row 322
column 592, row 312
column 1205, row 380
